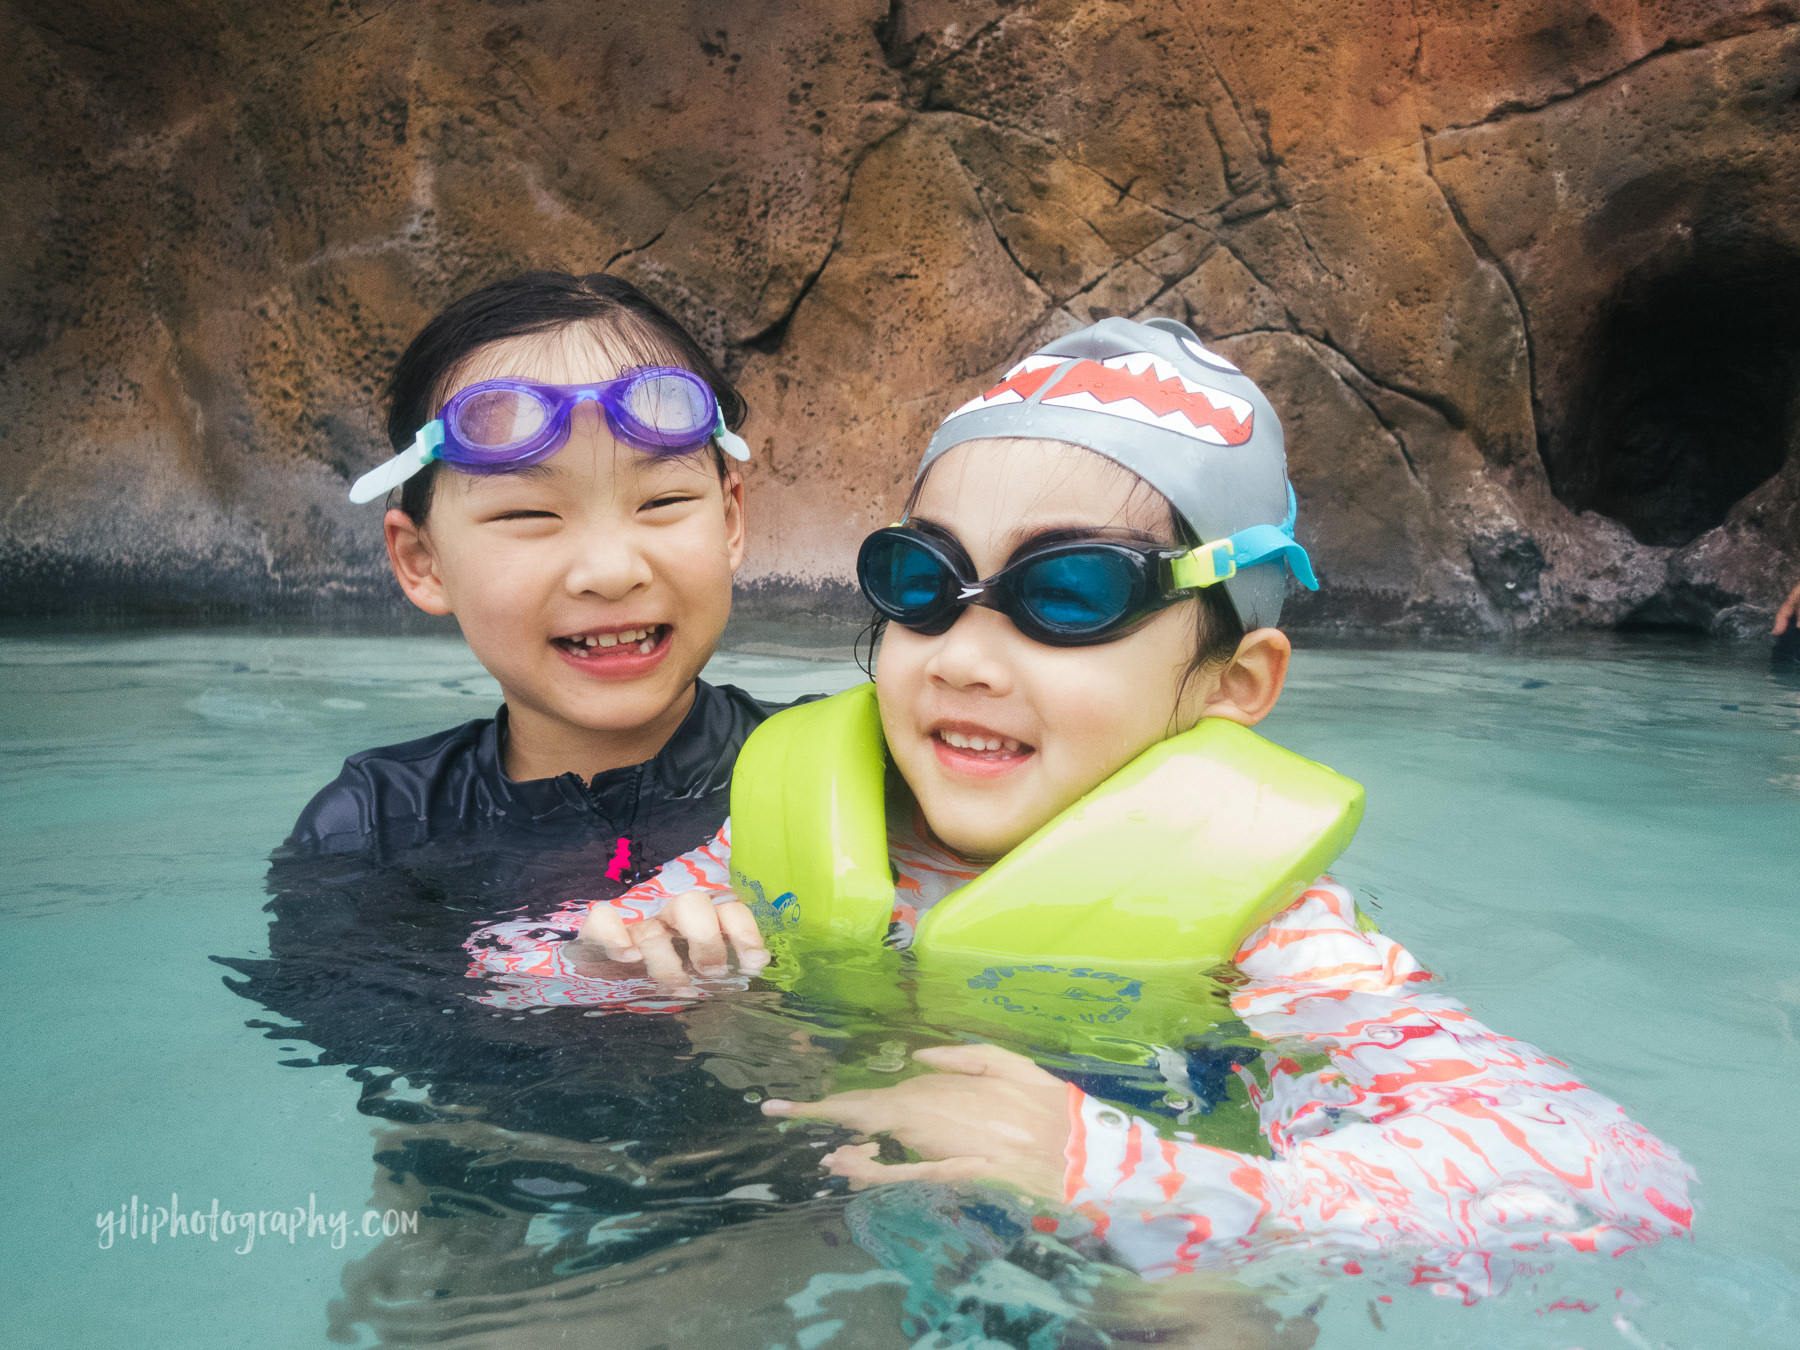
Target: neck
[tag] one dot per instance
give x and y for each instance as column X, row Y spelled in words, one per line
column 902, row 805
column 538, row 746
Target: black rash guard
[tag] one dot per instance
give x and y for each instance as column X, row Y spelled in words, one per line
column 391, row 868
column 451, row 783
column 387, row 873
column 412, row 847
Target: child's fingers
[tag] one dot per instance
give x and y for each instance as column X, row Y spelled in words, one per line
column 605, row 928
column 859, row 1163
column 846, row 1108
column 662, row 962
column 692, row 915
column 985, row 1061
column 739, row 925
column 852, row 1160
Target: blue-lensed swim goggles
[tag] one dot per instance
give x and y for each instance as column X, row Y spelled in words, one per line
column 498, row 426
column 1064, row 593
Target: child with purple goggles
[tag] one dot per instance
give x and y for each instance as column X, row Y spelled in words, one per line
column 594, row 589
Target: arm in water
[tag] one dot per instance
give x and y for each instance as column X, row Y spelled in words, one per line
column 1425, row 1130
column 612, row 951
column 1789, row 613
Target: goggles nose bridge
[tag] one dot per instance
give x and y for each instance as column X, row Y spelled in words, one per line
column 976, row 594
column 570, row 404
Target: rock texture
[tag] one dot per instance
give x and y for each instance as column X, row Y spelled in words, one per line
column 1522, row 277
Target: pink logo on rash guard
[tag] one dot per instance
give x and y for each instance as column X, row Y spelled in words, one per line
column 621, row 860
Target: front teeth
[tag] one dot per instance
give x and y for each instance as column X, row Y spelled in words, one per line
column 645, row 638
column 965, row 742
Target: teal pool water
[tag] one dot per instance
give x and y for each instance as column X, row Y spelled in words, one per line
column 1596, row 843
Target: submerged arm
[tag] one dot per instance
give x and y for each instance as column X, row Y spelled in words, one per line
column 1424, row 1130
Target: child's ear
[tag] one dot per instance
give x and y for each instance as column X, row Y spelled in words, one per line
column 1248, row 688
column 734, row 519
column 414, row 564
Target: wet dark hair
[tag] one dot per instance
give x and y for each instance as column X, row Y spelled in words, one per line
column 537, row 303
column 1219, row 630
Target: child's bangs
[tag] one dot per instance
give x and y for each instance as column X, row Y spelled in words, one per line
column 622, row 342
column 1144, row 509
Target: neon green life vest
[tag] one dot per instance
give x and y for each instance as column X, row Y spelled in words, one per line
column 1157, row 874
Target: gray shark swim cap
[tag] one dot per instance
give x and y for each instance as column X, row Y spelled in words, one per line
column 1150, row 397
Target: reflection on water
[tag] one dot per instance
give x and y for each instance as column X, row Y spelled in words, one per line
column 916, row 1265
column 1591, row 840
column 560, row 1157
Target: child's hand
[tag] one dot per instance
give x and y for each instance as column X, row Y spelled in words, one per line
column 989, row 1113
column 708, row 929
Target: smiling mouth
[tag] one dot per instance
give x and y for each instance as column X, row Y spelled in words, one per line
column 598, row 646
column 984, row 746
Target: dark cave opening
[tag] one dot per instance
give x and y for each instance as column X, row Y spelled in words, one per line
column 1690, row 397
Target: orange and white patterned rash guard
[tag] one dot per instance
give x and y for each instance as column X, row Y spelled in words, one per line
column 1424, row 1133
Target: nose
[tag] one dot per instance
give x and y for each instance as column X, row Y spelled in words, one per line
column 606, row 561
column 972, row 656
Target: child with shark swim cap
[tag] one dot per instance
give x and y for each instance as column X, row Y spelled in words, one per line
column 1090, row 568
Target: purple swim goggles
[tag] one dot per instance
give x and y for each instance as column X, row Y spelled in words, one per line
column 497, row 426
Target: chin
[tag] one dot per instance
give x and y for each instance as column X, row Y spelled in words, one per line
column 983, row 846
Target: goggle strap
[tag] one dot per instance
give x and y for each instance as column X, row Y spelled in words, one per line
column 1270, row 543
column 1223, row 559
column 729, row 441
column 384, row 478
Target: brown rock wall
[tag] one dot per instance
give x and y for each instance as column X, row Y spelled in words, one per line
column 1500, row 266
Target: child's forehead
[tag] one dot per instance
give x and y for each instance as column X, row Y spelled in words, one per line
column 1014, row 483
